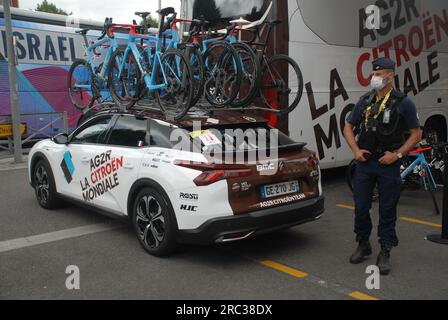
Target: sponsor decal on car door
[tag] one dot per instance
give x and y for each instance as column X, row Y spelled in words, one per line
column 130, row 160
column 97, row 173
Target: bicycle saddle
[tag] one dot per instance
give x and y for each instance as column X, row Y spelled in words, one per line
column 240, row 22
column 142, row 15
column 166, row 11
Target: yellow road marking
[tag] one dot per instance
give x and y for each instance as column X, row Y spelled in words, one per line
column 345, row 206
column 412, row 220
column 361, row 296
column 300, row 274
column 285, row 269
column 426, row 223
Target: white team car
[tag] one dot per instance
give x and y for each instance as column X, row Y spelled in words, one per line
column 127, row 164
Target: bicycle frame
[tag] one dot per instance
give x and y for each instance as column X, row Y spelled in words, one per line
column 420, row 161
column 113, row 45
column 99, row 78
column 175, row 39
column 153, row 60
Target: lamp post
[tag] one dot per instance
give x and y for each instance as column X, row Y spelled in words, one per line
column 13, row 95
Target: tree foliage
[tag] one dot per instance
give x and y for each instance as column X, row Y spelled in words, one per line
column 206, row 8
column 151, row 21
column 50, row 7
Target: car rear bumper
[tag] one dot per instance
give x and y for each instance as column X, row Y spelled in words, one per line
column 247, row 225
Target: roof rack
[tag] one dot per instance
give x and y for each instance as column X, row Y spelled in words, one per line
column 206, row 114
column 199, row 110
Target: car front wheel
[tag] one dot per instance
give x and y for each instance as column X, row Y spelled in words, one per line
column 152, row 221
column 44, row 185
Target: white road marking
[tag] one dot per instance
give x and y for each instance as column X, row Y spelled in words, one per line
column 24, row 242
column 7, row 164
column 13, row 167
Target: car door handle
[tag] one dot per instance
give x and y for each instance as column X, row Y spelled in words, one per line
column 128, row 166
column 85, row 159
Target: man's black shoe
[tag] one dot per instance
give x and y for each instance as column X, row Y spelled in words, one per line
column 383, row 261
column 363, row 250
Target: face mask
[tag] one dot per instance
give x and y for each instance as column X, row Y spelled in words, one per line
column 377, row 83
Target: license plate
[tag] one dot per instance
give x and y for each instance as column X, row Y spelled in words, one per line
column 278, row 189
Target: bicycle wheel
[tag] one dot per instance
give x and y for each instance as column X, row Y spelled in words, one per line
column 282, row 83
column 222, row 74
column 175, row 71
column 197, row 65
column 80, row 81
column 250, row 75
column 125, row 87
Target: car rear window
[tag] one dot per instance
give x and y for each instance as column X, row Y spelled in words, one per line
column 239, row 137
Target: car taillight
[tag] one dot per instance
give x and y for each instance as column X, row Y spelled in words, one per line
column 313, row 161
column 212, row 173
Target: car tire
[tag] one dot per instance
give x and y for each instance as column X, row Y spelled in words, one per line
column 152, row 219
column 45, row 186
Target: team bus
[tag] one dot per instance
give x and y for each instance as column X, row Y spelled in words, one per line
column 46, row 46
column 334, row 43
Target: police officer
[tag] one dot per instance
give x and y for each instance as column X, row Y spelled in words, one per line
column 382, row 116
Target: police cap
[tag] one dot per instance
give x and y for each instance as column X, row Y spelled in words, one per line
column 383, row 64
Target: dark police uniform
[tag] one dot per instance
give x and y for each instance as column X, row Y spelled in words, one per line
column 382, row 124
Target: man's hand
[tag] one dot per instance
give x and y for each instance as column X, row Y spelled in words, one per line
column 360, row 155
column 350, row 138
column 388, row 158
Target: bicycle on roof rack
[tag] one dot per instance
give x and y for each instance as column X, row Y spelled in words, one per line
column 178, row 72
column 260, row 75
column 238, row 57
column 166, row 74
column 216, row 64
column 281, row 80
column 277, row 79
column 87, row 81
column 190, row 50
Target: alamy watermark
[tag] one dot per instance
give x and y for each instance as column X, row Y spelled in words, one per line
column 373, row 20
column 373, row 280
column 73, row 281
column 254, row 145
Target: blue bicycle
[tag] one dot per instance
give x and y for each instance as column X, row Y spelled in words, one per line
column 217, row 63
column 143, row 64
column 88, row 79
column 172, row 40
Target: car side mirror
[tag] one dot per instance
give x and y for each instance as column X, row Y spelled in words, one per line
column 61, row 138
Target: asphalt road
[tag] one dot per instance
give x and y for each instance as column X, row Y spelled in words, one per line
column 306, row 262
